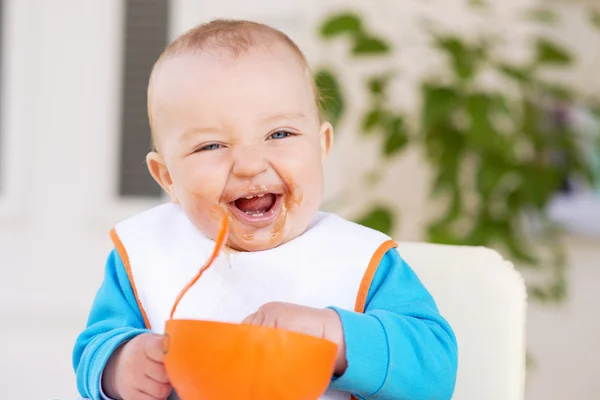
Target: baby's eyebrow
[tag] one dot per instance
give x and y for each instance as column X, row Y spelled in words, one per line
column 285, row 116
column 197, row 130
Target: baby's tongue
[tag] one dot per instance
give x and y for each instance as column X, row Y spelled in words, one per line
column 256, row 204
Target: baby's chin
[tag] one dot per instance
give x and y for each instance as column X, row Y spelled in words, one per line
column 256, row 241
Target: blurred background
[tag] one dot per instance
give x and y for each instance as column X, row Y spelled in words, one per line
column 457, row 121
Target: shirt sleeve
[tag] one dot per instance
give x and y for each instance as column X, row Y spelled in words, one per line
column 401, row 347
column 114, row 319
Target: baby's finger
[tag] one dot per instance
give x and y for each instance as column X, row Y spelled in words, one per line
column 270, row 320
column 154, row 348
column 155, row 390
column 157, row 372
column 140, row 395
column 249, row 319
column 255, row 319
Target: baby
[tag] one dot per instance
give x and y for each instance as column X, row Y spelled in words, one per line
column 234, row 114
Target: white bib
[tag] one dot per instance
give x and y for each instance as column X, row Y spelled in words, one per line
column 162, row 251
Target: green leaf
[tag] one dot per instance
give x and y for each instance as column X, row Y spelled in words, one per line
column 499, row 104
column 447, row 178
column 506, row 230
column 595, row 110
column 519, row 74
column 439, row 103
column 517, row 249
column 372, row 119
column 378, row 84
column 379, row 218
column 538, row 185
column 530, row 123
column 332, row 99
column 542, row 15
column 454, row 210
column 480, row 234
column 550, row 293
column 375, row 176
column 489, row 175
column 482, row 134
column 551, row 53
column 555, row 290
column 340, row 24
column 465, row 59
column 530, row 362
column 451, row 44
column 595, row 18
column 396, row 137
column 442, row 234
column 367, row 45
column 478, row 4
column 558, row 91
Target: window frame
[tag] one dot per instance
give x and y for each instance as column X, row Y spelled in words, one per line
column 106, row 206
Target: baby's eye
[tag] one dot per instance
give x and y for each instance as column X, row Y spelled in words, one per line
column 280, row 135
column 212, row 146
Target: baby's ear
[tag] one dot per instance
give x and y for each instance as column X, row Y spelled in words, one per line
column 326, row 139
column 160, row 173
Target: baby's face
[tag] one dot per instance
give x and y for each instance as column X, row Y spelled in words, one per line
column 240, row 136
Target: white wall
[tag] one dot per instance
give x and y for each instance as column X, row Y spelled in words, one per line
column 60, row 112
column 564, row 339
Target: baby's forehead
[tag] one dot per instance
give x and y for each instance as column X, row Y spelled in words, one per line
column 217, row 76
column 215, row 70
column 208, row 88
column 193, row 60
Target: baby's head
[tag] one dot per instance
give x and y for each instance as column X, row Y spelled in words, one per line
column 235, row 122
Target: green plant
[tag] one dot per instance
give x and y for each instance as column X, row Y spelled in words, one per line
column 490, row 151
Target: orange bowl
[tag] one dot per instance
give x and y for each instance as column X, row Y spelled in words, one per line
column 216, row 361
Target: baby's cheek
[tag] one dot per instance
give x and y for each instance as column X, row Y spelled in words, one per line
column 207, row 220
column 202, row 188
column 205, row 212
column 201, row 185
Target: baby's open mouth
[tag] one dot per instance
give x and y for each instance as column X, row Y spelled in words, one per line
column 257, row 208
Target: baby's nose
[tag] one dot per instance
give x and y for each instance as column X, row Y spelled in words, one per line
column 249, row 161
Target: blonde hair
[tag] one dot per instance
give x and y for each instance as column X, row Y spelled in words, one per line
column 236, row 37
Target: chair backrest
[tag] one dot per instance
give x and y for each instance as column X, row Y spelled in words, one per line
column 484, row 299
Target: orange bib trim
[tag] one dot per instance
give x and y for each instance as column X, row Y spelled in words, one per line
column 125, row 258
column 365, row 284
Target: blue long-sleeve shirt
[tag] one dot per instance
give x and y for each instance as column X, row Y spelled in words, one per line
column 400, row 348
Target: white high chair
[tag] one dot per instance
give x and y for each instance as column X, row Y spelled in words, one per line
column 484, row 299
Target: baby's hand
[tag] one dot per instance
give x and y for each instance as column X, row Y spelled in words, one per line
column 136, row 370
column 323, row 323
